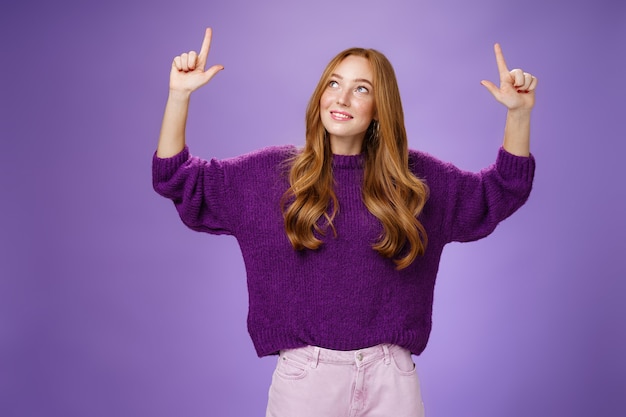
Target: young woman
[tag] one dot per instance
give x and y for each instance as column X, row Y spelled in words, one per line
column 342, row 239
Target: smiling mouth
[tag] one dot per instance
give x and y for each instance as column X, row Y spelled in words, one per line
column 340, row 116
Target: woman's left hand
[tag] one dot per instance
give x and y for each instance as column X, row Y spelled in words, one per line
column 517, row 88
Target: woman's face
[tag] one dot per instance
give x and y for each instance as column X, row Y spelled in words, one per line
column 347, row 105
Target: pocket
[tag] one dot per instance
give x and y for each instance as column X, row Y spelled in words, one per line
column 402, row 361
column 290, row 367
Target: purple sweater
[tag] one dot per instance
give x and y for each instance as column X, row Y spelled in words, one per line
column 343, row 296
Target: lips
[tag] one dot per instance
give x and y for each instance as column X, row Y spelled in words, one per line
column 340, row 115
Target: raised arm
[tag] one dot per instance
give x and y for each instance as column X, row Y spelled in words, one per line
column 186, row 76
column 517, row 93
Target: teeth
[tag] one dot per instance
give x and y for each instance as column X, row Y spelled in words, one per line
column 342, row 116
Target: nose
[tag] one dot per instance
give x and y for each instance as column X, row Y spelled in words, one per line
column 343, row 98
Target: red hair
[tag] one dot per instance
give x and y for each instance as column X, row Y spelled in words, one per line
column 390, row 191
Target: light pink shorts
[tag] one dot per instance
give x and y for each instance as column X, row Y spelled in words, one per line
column 379, row 381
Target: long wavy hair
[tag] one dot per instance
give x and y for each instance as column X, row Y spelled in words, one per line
column 390, row 191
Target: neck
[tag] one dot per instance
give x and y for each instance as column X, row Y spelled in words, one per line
column 346, row 146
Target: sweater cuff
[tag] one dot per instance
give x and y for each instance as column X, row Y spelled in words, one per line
column 513, row 166
column 164, row 168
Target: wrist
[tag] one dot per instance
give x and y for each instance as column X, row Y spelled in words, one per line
column 517, row 132
column 519, row 113
column 179, row 95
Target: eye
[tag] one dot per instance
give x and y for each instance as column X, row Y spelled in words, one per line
column 362, row 89
column 333, row 84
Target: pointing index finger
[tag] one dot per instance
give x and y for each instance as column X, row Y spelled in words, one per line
column 204, row 49
column 502, row 68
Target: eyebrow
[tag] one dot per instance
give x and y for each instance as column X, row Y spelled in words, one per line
column 358, row 80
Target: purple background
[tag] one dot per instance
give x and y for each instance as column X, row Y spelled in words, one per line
column 109, row 306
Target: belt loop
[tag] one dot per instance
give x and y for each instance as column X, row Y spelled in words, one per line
column 387, row 355
column 316, row 357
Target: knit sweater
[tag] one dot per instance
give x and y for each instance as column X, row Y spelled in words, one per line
column 344, row 295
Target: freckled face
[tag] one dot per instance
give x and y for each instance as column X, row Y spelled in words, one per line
column 347, row 105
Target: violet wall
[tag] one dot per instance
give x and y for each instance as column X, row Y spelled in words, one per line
column 109, row 306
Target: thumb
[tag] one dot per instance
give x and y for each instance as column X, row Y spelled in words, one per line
column 210, row 73
column 491, row 87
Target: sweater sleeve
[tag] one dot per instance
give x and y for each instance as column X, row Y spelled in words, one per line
column 197, row 188
column 477, row 202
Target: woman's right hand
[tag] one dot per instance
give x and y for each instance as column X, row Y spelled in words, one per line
column 188, row 73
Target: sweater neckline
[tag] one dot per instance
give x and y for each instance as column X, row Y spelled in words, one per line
column 348, row 161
